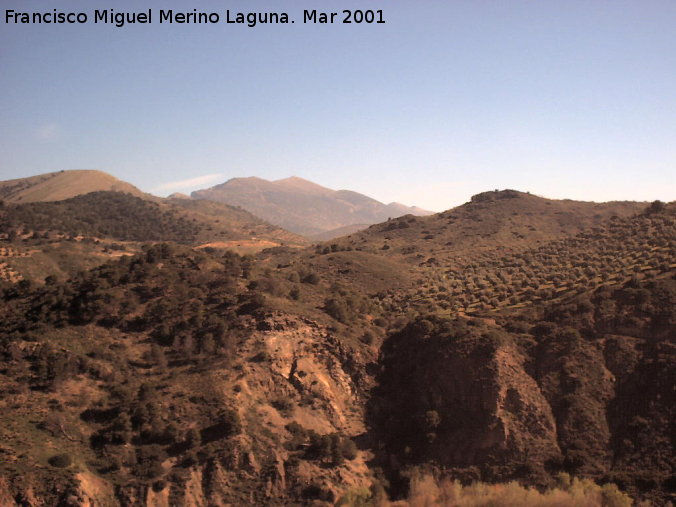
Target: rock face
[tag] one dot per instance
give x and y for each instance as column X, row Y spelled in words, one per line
column 577, row 384
column 481, row 402
column 293, row 371
column 304, row 207
column 465, row 400
column 302, row 374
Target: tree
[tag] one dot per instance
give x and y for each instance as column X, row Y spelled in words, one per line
column 60, row 460
column 207, row 344
column 192, row 437
column 349, row 449
column 656, row 207
column 158, row 357
column 122, row 429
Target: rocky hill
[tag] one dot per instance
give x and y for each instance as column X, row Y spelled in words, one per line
column 303, row 207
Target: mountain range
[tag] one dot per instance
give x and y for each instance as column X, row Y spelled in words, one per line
column 304, row 207
column 294, row 204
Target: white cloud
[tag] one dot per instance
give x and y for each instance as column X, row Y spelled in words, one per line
column 49, row 132
column 174, row 186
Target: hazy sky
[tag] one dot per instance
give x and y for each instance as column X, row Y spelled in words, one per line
column 567, row 99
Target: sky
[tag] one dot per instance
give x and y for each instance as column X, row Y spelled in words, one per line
column 573, row 99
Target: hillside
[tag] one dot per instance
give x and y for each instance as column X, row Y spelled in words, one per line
column 552, row 389
column 483, row 257
column 345, row 230
column 62, row 185
column 60, row 237
column 231, row 225
column 511, row 338
column 257, row 397
column 506, row 245
column 273, row 399
column 301, row 206
column 507, row 219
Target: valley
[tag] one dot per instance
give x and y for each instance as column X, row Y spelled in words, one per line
column 184, row 352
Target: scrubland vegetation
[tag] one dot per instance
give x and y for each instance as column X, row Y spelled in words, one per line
column 481, row 363
column 428, row 492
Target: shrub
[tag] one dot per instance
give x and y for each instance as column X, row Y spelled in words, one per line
column 251, row 303
column 361, row 497
column 368, row 338
column 311, row 278
column 228, row 424
column 262, row 357
column 283, row 404
column 348, row 449
column 60, row 461
column 337, row 309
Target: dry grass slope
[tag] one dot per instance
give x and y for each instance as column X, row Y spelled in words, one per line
column 428, row 492
column 62, row 185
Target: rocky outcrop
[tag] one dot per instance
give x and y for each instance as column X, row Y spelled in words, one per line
column 572, row 374
column 462, row 398
column 584, row 387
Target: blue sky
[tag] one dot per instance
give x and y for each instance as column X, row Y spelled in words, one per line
column 573, row 99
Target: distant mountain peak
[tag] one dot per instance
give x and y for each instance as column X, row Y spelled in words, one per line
column 302, row 206
column 303, row 185
column 242, row 180
column 293, row 179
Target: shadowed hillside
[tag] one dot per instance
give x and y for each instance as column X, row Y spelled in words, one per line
column 61, row 237
column 548, row 390
column 100, row 215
